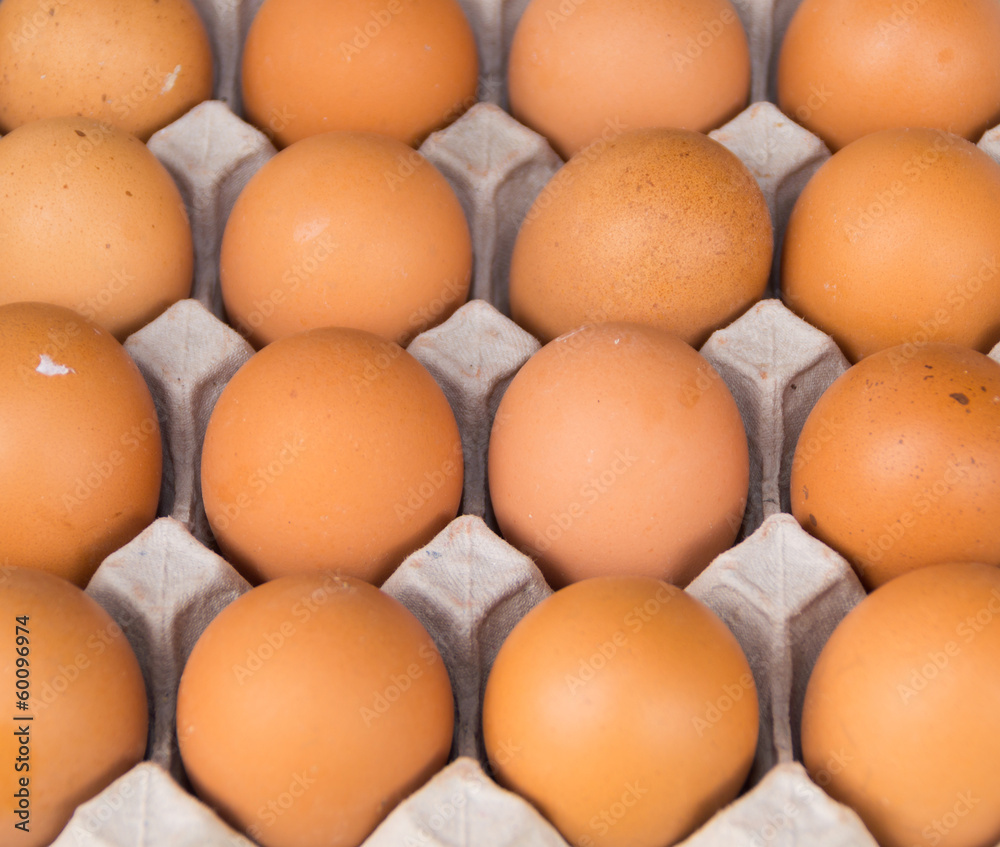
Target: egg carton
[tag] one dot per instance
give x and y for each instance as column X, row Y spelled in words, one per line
column 779, row 590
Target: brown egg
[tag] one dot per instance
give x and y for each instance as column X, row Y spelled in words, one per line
column 401, row 68
column 136, row 64
column 331, row 449
column 582, row 71
column 659, row 227
column 899, row 720
column 850, row 67
column 895, row 240
column 617, row 449
column 80, row 454
column 624, row 710
column 91, row 221
column 81, row 714
column 345, row 229
column 309, row 708
column 898, row 464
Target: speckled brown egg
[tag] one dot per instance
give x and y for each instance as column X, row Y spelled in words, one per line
column 624, row 710
column 401, row 68
column 345, row 229
column 372, row 704
column 899, row 714
column 80, row 453
column 92, row 221
column 898, row 464
column 617, row 449
column 896, row 240
column 85, row 716
column 581, row 71
column 135, row 64
column 331, row 449
column 661, row 227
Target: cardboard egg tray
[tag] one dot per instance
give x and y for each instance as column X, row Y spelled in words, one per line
column 779, row 590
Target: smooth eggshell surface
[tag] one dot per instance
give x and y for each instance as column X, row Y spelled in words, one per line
column 603, row 709
column 317, row 688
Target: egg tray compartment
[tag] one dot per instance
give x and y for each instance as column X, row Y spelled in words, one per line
column 779, row 590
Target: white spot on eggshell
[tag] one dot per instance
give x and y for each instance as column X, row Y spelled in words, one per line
column 47, row 367
column 170, row 79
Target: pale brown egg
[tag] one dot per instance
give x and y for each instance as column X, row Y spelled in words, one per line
column 624, row 710
column 330, row 449
column 660, row 227
column 851, row 67
column 135, row 64
column 92, row 221
column 581, row 71
column 345, row 229
column 896, row 240
column 898, row 464
column 309, row 708
column 617, row 449
column 401, row 68
column 899, row 720
column 80, row 453
column 78, row 715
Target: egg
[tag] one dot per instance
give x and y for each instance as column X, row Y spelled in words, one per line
column 660, row 227
column 81, row 715
column 617, row 449
column 895, row 240
column 899, row 718
column 345, row 229
column 92, row 221
column 579, row 72
column 80, row 453
column 331, row 449
column 401, row 68
column 309, row 708
column 135, row 64
column 898, row 464
column 624, row 710
column 850, row 67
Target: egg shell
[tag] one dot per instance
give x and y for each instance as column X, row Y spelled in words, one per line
column 659, row 227
column 319, row 687
column 898, row 720
column 93, row 222
column 345, row 229
column 598, row 709
column 358, row 464
column 401, row 68
column 80, row 452
column 895, row 240
column 904, row 466
column 66, row 57
column 850, row 67
column 86, row 718
column 617, row 449
column 581, row 72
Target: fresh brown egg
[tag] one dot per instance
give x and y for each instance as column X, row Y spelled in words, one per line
column 896, row 240
column 309, row 708
column 77, row 710
column 582, row 71
column 331, row 449
column 617, row 449
column 898, row 464
column 135, row 64
column 401, row 68
column 92, row 221
column 345, row 229
column 899, row 720
column 659, row 227
column 624, row 710
column 851, row 67
column 80, row 454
